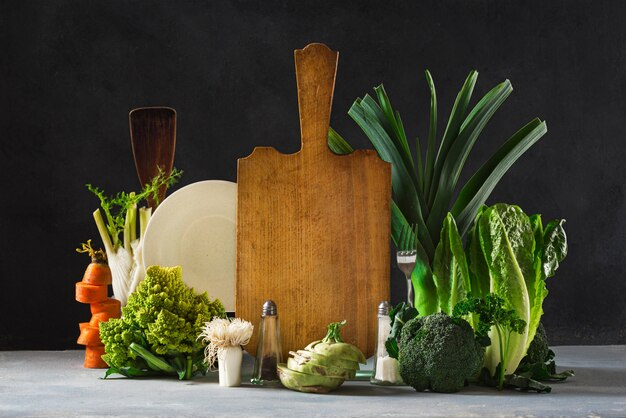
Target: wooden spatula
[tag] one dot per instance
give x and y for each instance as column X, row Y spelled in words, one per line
column 153, row 137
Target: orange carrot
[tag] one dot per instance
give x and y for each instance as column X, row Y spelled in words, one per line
column 109, row 305
column 89, row 336
column 98, row 274
column 89, row 293
column 99, row 317
column 83, row 325
column 93, row 357
column 98, row 271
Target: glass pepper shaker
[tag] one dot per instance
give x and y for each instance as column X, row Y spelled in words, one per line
column 386, row 368
column 269, row 352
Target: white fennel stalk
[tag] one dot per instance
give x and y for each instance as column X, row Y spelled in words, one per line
column 120, row 259
column 138, row 272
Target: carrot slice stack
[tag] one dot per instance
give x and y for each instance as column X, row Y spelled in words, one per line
column 94, row 290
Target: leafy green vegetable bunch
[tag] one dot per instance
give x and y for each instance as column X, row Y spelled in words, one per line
column 510, row 255
column 158, row 331
column 424, row 187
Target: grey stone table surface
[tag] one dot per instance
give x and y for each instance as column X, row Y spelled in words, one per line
column 54, row 383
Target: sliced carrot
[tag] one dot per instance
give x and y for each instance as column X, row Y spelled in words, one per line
column 99, row 317
column 89, row 293
column 82, row 325
column 89, row 336
column 98, row 274
column 93, row 357
column 110, row 305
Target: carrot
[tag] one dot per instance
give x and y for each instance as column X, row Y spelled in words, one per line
column 111, row 306
column 93, row 357
column 98, row 274
column 99, row 317
column 83, row 325
column 89, row 336
column 89, row 293
column 98, row 271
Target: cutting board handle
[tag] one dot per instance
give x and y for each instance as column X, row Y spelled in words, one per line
column 316, row 68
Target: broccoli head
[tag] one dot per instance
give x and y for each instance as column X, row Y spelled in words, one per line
column 439, row 353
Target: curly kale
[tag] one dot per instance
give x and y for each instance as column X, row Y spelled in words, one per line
column 538, row 350
column 158, row 331
column 539, row 362
column 439, row 353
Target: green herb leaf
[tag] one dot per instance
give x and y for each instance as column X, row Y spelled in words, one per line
column 116, row 208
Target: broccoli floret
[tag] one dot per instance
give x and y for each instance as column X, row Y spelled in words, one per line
column 165, row 317
column 538, row 350
column 439, row 353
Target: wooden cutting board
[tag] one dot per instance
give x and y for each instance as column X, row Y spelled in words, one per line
column 313, row 227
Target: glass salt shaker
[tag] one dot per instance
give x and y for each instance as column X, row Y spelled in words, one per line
column 269, row 352
column 386, row 368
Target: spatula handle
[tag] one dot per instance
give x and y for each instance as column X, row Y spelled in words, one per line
column 316, row 67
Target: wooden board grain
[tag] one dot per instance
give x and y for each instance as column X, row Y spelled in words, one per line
column 313, row 227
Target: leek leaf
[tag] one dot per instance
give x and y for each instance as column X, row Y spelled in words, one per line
column 450, row 271
column 457, row 115
column 337, row 144
column 477, row 190
column 461, row 148
column 432, row 134
column 422, row 276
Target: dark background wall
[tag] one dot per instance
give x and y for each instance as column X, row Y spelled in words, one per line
column 71, row 70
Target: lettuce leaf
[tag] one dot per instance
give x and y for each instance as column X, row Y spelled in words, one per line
column 505, row 236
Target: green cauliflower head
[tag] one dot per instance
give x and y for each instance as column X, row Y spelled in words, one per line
column 439, row 353
column 163, row 314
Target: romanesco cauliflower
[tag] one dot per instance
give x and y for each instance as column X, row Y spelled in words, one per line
column 159, row 327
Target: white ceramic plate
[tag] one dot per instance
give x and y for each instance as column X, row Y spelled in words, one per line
column 195, row 228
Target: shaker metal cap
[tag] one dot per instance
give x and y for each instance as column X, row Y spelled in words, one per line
column 383, row 308
column 269, row 308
